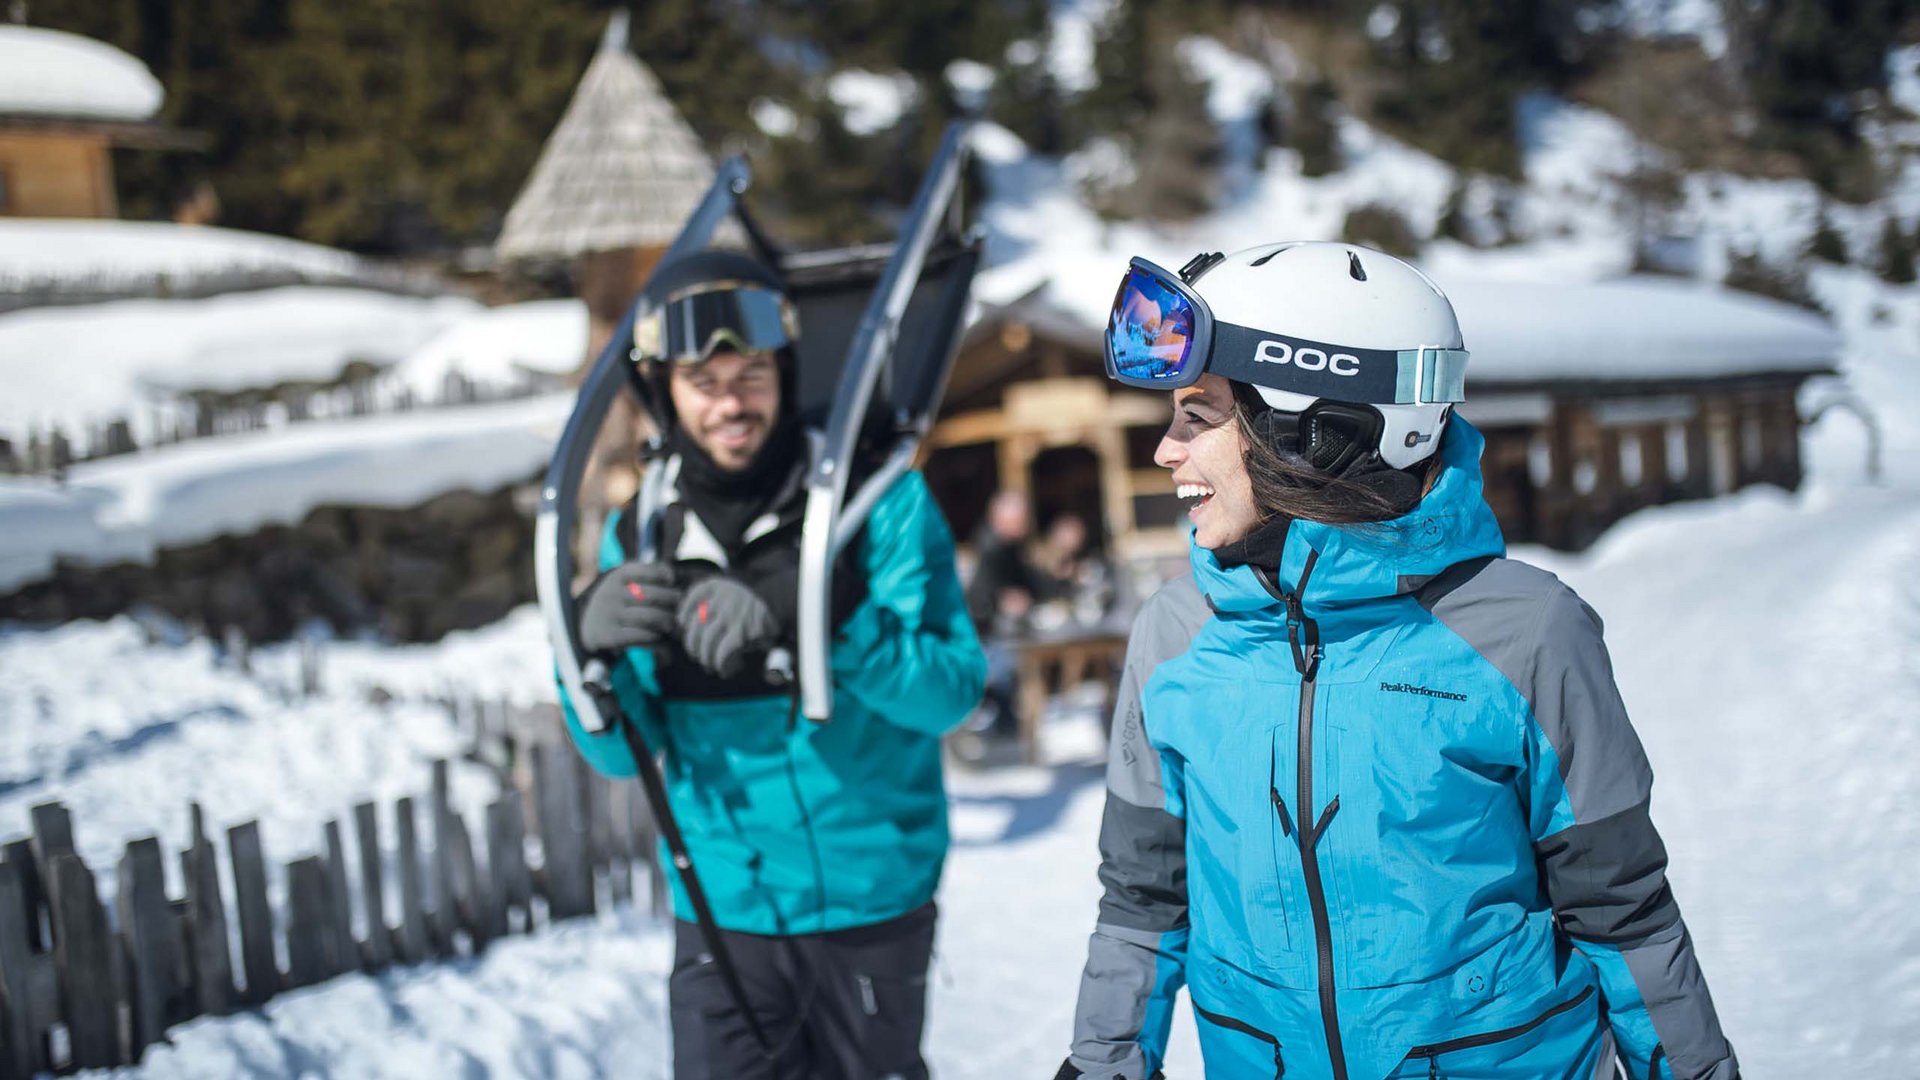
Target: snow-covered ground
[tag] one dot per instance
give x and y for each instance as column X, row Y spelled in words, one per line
column 1766, row 645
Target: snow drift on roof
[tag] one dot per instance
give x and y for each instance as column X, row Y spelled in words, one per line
column 54, row 73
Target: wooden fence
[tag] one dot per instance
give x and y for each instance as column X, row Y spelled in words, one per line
column 87, row 982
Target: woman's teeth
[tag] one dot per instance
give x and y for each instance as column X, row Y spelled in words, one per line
column 1192, row 491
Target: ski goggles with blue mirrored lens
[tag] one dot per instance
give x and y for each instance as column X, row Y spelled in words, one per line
column 1162, row 336
column 694, row 324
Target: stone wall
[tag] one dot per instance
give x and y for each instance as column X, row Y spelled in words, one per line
column 458, row 561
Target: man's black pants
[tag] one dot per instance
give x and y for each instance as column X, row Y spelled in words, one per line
column 843, row 1005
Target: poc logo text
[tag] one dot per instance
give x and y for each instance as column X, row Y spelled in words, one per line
column 1306, row 358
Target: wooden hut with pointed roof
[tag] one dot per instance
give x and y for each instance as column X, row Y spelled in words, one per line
column 612, row 186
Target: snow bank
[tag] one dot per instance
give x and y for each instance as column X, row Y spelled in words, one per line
column 54, row 73
column 502, row 347
column 127, row 732
column 584, row 1000
column 106, row 253
column 73, row 366
column 125, row 509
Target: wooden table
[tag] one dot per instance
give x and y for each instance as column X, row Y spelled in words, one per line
column 1073, row 650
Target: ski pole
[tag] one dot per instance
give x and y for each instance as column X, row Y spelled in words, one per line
column 648, row 772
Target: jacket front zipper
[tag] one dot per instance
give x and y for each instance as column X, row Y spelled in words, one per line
column 1303, row 637
column 1316, row 890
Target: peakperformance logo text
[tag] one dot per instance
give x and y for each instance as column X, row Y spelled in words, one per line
column 1423, row 691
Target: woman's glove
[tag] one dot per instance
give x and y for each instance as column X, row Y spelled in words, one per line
column 631, row 606
column 724, row 625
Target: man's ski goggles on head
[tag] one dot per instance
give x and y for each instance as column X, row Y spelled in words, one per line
column 694, row 324
column 1162, row 336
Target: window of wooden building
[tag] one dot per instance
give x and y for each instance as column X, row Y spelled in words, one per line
column 1632, row 460
column 1677, row 452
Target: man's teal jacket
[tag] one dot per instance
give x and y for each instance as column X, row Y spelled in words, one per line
column 797, row 827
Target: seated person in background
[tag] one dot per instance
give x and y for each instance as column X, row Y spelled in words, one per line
column 1075, row 582
column 1000, row 596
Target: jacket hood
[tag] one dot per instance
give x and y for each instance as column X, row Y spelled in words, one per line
column 1451, row 523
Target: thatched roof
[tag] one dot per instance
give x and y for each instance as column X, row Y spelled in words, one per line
column 622, row 170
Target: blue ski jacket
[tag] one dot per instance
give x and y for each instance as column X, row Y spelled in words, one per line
column 796, row 827
column 1382, row 813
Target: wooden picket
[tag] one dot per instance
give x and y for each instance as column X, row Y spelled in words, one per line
column 88, row 984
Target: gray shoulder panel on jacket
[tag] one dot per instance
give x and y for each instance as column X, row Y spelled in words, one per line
column 1538, row 633
column 1164, row 628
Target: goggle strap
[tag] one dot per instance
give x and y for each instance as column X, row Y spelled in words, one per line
column 1431, row 376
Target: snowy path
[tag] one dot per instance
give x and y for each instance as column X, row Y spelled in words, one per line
column 1771, row 659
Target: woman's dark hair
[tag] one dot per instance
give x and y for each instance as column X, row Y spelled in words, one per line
column 1285, row 485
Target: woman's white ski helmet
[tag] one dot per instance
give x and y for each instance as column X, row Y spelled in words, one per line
column 1351, row 349
column 1341, row 294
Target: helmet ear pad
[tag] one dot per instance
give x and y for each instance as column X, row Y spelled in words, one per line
column 1328, row 435
column 1336, row 439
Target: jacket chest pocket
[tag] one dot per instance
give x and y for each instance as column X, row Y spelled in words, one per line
column 1242, row 872
column 1285, row 941
column 1431, row 833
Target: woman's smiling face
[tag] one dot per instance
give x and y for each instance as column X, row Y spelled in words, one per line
column 1204, row 450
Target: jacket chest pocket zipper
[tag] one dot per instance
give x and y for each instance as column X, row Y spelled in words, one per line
column 1432, row 1051
column 1244, row 1028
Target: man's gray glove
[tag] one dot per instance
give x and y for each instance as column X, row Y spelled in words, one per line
column 724, row 625
column 631, row 606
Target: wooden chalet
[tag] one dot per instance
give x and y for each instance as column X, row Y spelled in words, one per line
column 66, row 102
column 1595, row 399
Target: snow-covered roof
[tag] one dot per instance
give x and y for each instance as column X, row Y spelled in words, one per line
column 1637, row 328
column 83, row 364
column 126, row 508
column 52, row 73
column 621, row 170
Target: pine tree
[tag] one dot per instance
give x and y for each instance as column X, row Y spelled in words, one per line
column 1826, row 243
column 1896, row 253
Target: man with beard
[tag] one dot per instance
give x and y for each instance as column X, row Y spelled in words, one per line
column 819, row 845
